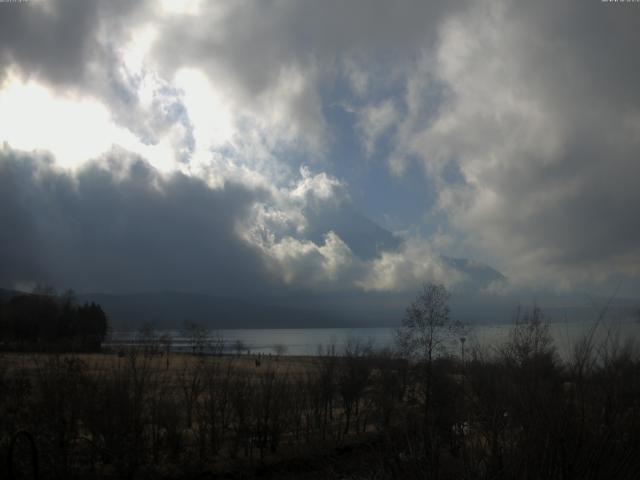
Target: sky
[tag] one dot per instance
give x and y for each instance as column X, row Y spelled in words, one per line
column 260, row 147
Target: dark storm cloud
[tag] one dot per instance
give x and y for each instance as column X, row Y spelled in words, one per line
column 119, row 226
column 55, row 40
column 580, row 49
column 58, row 39
column 255, row 40
column 585, row 70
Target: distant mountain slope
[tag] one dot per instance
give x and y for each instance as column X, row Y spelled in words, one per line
column 306, row 309
column 7, row 294
column 170, row 309
column 478, row 273
column 365, row 238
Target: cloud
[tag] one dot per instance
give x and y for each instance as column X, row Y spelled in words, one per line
column 73, row 129
column 116, row 224
column 319, row 187
column 119, row 225
column 312, row 237
column 305, row 264
column 260, row 71
column 65, row 42
column 414, row 263
column 93, row 52
column 277, row 60
column 525, row 117
column 538, row 113
column 279, row 228
column 375, row 121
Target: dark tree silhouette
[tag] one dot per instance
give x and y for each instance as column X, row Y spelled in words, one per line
column 47, row 321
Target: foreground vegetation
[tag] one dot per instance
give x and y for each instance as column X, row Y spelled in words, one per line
column 515, row 411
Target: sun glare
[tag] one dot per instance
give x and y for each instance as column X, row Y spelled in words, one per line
column 209, row 113
column 136, row 51
column 74, row 130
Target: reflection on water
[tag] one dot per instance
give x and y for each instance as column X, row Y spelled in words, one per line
column 306, row 341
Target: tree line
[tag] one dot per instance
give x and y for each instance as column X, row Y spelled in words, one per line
column 47, row 321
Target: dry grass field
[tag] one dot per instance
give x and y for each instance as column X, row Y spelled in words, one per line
column 176, row 362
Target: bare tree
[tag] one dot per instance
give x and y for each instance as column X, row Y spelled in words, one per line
column 148, row 338
column 530, row 338
column 239, row 346
column 279, row 349
column 426, row 327
column 191, row 382
column 427, row 324
column 166, row 341
column 197, row 335
column 217, row 344
column 353, row 379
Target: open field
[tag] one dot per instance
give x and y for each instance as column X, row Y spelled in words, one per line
column 177, row 362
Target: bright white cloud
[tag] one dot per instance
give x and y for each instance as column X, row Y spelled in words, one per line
column 73, row 129
column 283, row 216
column 31, row 117
column 413, row 264
column 136, row 50
column 208, row 110
column 305, row 264
column 311, row 187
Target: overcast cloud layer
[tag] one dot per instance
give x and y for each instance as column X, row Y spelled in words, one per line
column 240, row 146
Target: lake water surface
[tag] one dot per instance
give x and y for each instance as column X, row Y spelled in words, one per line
column 308, row 341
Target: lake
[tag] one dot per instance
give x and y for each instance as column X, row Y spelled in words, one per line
column 307, row 341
